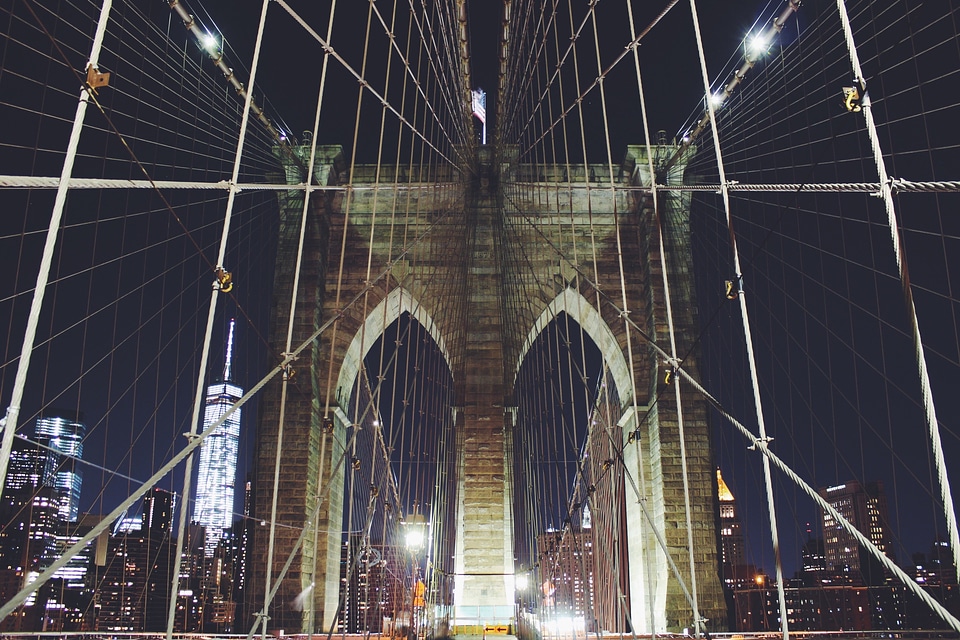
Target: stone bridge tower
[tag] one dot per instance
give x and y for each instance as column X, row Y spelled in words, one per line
column 501, row 195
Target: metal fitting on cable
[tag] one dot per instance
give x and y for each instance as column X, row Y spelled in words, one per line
column 224, row 282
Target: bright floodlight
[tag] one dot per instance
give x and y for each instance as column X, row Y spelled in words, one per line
column 758, row 44
column 717, row 99
column 210, row 42
column 414, row 538
column 416, row 530
column 522, row 582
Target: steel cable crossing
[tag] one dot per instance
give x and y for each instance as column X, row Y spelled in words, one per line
column 457, row 116
column 563, row 490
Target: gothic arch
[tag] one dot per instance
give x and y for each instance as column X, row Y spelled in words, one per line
column 397, row 302
column 577, row 307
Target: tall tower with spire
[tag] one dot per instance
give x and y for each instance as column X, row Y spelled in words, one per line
column 213, row 507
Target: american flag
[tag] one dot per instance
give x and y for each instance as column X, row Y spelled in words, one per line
column 480, row 105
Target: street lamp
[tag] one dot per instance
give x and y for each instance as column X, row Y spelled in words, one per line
column 416, row 533
column 522, row 582
column 415, row 537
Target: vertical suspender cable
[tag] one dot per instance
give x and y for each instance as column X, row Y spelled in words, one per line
column 356, row 416
column 889, row 565
column 748, row 338
column 625, row 313
column 930, row 412
column 211, row 315
column 311, row 612
column 43, row 275
column 697, row 618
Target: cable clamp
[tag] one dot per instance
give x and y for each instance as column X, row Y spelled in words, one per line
column 287, row 366
column 95, row 79
column 726, row 186
column 260, row 615
column 224, row 282
column 191, row 436
column 853, row 96
column 760, row 443
column 733, row 288
column 673, row 365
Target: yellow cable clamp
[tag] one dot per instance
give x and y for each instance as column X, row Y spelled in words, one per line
column 224, row 280
column 851, row 99
column 731, row 291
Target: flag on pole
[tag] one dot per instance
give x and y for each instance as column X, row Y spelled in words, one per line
column 480, row 105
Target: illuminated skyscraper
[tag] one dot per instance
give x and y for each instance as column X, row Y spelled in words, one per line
column 63, row 432
column 865, row 507
column 213, row 508
column 733, row 545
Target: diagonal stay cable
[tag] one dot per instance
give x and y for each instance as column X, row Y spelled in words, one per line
column 21, row 596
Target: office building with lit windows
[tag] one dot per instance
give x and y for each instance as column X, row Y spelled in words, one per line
column 29, row 511
column 865, row 507
column 213, row 508
column 62, row 431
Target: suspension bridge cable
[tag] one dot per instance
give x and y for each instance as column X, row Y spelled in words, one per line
column 744, row 318
column 668, row 306
column 223, row 282
column 9, row 420
column 930, row 412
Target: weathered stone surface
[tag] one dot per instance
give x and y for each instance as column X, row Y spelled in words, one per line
column 593, row 253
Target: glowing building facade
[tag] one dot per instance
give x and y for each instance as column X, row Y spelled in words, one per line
column 865, row 506
column 213, row 508
column 62, row 432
